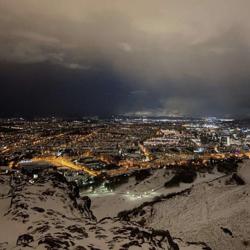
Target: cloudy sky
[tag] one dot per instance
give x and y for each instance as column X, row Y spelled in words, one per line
column 151, row 57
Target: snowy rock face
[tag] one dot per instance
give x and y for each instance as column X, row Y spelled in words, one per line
column 214, row 213
column 210, row 213
column 49, row 214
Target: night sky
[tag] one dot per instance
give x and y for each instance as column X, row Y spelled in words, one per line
column 131, row 57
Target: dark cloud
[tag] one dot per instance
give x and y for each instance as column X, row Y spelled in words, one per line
column 158, row 57
column 46, row 89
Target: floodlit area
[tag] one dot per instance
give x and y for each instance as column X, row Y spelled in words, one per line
column 140, row 196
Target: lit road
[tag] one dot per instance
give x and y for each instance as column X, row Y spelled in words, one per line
column 65, row 162
column 126, row 168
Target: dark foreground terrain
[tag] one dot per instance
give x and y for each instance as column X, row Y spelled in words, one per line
column 215, row 213
column 49, row 214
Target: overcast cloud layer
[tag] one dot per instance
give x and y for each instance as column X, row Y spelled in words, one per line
column 158, row 57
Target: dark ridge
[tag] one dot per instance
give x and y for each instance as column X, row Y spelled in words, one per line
column 184, row 176
column 228, row 166
column 204, row 245
column 238, row 179
column 142, row 174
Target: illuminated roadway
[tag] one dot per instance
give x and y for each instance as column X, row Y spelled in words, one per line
column 65, row 162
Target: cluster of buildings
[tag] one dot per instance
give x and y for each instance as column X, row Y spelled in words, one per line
column 113, row 147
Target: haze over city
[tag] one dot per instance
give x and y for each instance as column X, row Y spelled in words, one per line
column 86, row 58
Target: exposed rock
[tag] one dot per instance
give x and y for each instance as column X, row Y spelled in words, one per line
column 227, row 231
column 24, row 240
column 185, row 176
column 38, row 209
column 51, row 242
column 238, row 179
column 78, row 229
column 63, row 220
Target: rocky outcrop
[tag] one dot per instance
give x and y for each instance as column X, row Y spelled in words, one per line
column 182, row 176
column 52, row 215
column 141, row 210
